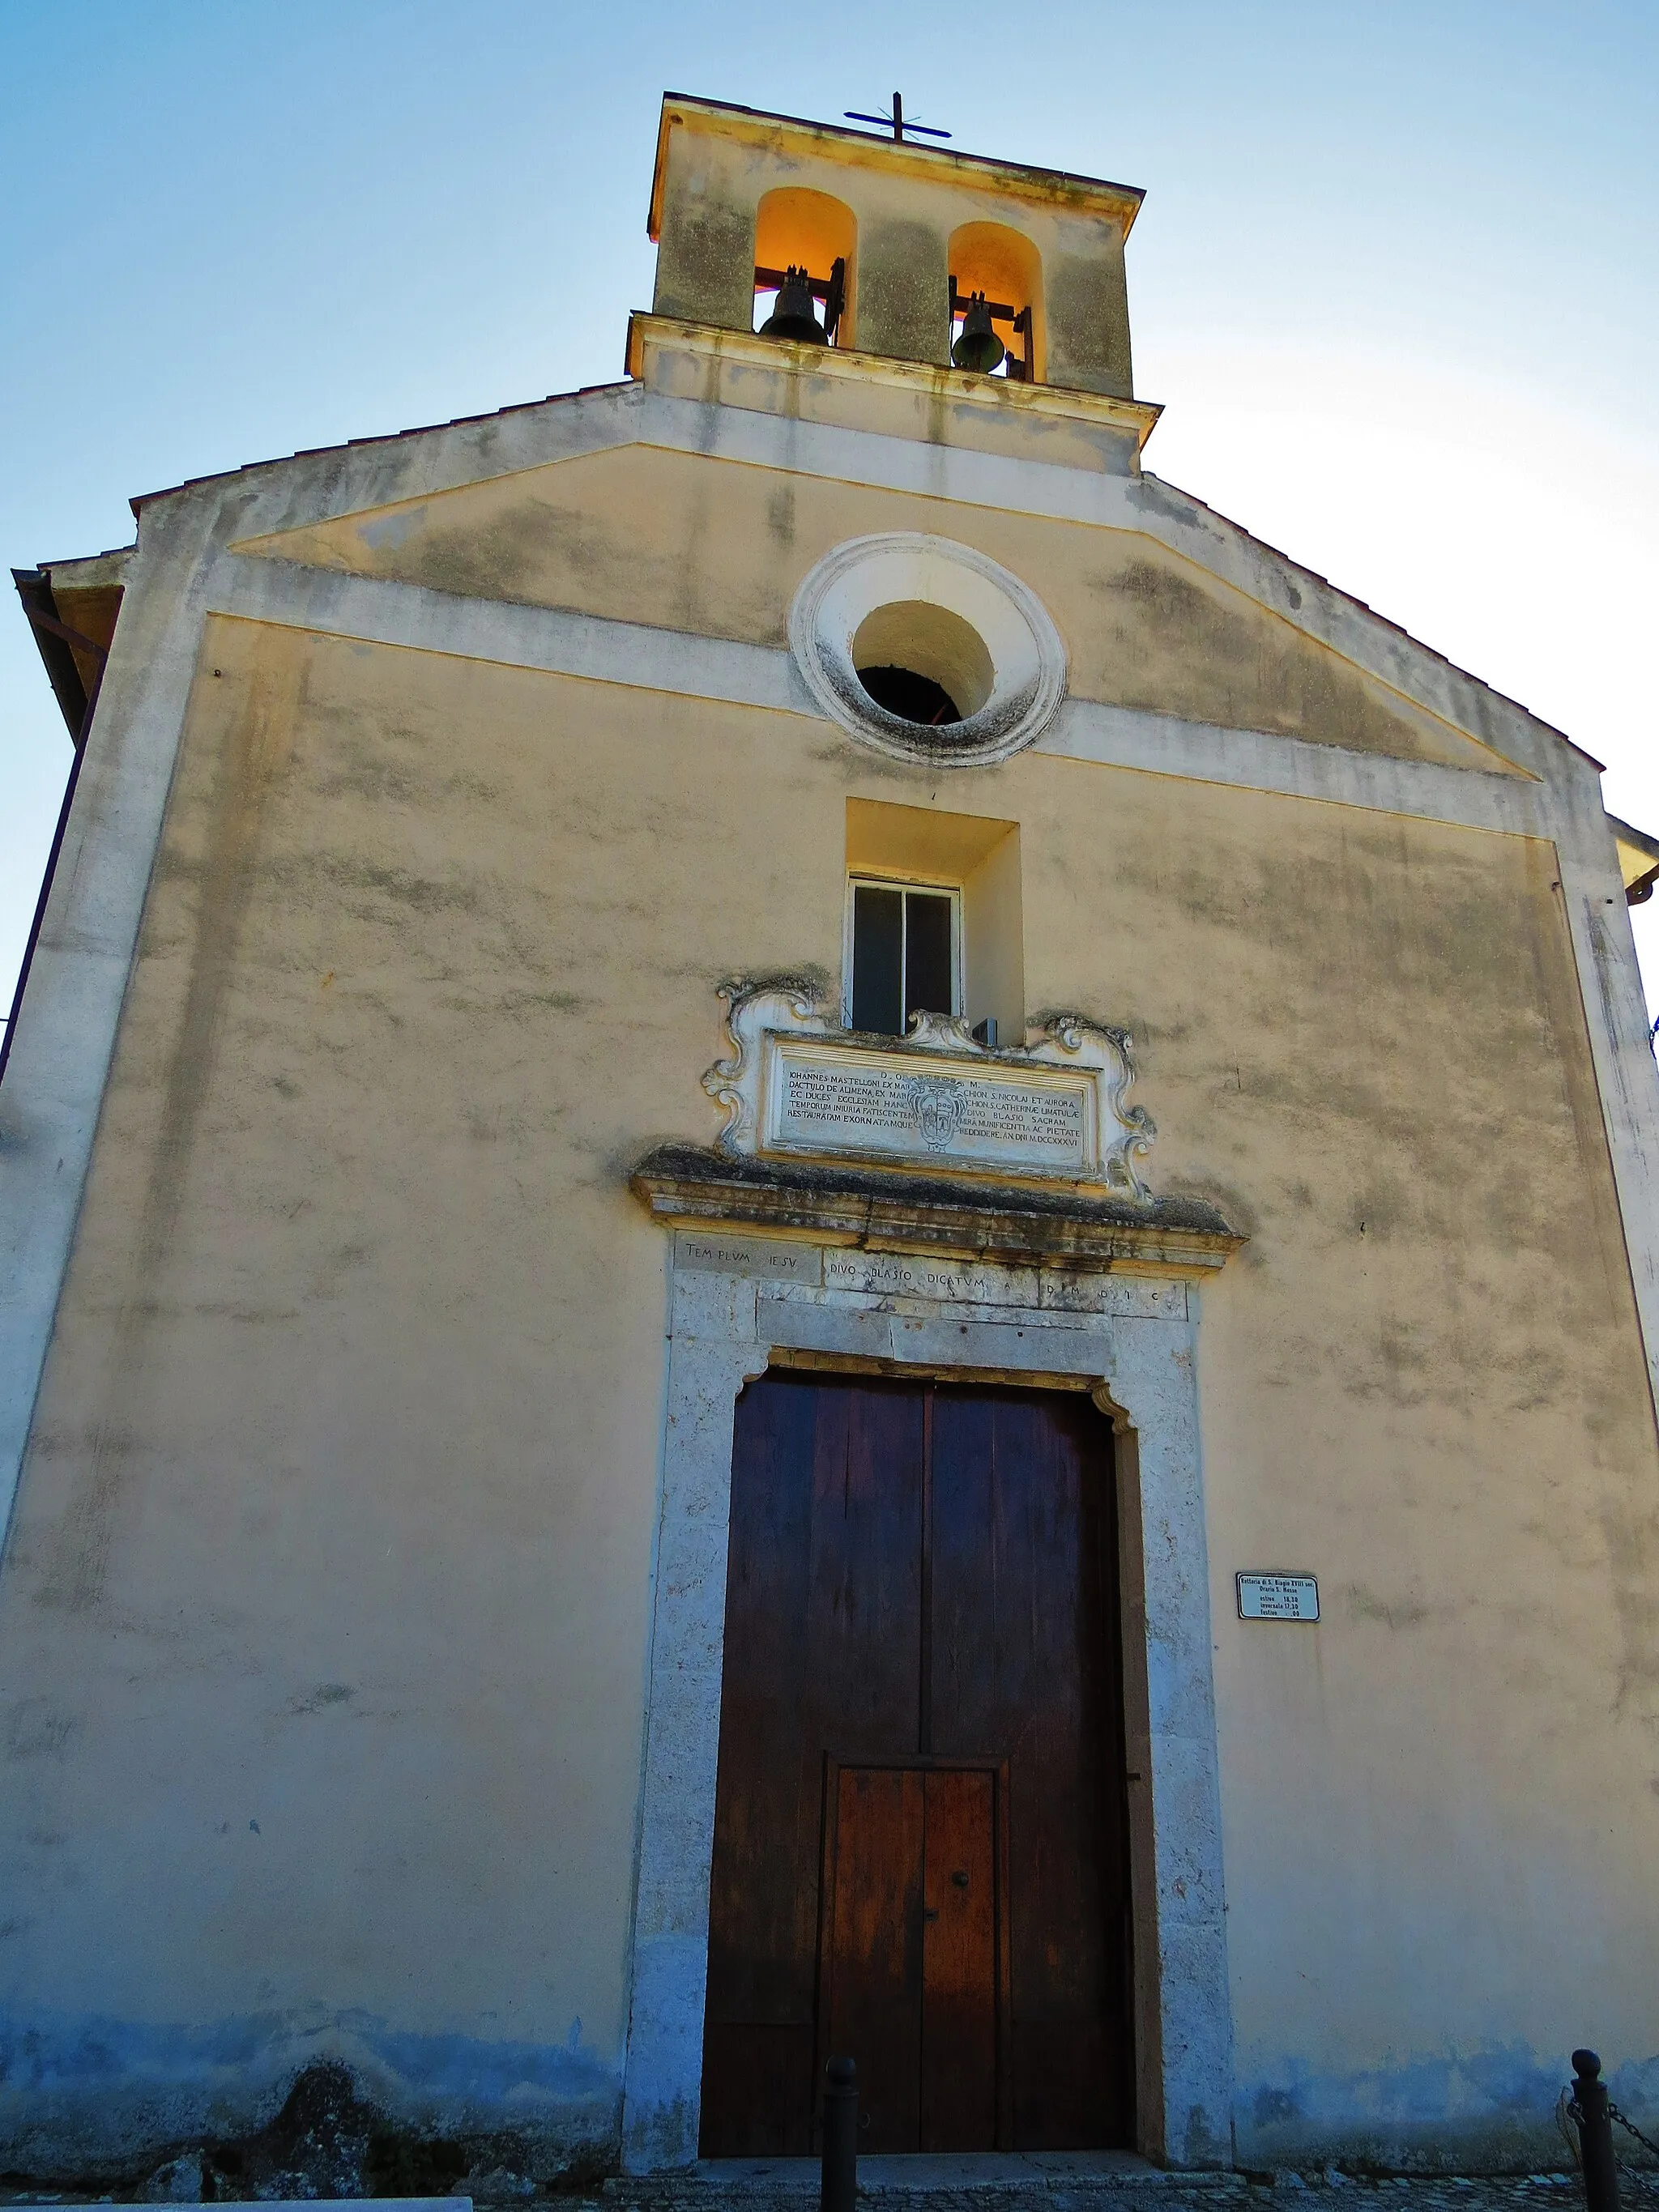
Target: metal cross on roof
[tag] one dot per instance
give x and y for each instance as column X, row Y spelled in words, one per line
column 897, row 122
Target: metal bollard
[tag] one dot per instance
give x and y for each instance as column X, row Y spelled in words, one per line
column 839, row 2189
column 1589, row 2096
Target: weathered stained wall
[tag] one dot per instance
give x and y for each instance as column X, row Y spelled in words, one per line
column 322, row 1625
column 719, row 549
column 329, row 1435
column 1420, row 1380
column 324, row 1617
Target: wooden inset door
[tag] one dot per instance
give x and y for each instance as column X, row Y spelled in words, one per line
column 911, row 1980
column 921, row 1715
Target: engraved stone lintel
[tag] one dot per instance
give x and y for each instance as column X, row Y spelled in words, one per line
column 769, row 1256
column 917, row 1275
column 927, row 1276
column 797, row 1086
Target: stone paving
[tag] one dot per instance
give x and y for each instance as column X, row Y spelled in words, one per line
column 791, row 2187
column 1132, row 2190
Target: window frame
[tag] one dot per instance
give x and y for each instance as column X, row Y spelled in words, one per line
column 901, row 879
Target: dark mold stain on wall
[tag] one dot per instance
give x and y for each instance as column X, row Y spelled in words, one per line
column 329, row 2138
column 251, row 722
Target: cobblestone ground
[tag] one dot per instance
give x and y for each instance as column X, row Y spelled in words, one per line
column 1119, row 2193
column 1283, row 2193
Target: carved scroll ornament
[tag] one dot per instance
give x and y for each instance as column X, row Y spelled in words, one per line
column 796, row 1085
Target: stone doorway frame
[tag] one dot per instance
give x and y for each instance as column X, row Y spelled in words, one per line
column 739, row 1304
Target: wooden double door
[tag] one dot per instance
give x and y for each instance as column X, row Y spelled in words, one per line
column 920, row 1855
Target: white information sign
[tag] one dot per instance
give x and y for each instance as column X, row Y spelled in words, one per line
column 1278, row 1597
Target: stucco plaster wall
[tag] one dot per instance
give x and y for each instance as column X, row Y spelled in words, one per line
column 1420, row 1380
column 717, row 548
column 323, row 1619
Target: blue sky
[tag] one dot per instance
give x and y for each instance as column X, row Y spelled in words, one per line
column 1396, row 277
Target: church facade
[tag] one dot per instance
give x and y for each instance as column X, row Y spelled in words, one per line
column 824, row 1236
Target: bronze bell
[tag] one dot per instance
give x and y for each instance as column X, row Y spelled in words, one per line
column 979, row 348
column 793, row 316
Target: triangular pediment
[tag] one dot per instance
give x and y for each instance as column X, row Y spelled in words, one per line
column 688, row 542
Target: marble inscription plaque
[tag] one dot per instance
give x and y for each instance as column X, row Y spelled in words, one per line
column 847, row 1102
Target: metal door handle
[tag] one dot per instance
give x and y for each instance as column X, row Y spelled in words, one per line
column 960, row 1878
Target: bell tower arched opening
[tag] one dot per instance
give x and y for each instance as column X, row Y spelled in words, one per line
column 996, row 303
column 805, row 245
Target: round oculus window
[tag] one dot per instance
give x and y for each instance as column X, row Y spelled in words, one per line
column 926, row 649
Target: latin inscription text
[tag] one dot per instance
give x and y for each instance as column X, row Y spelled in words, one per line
column 934, row 1112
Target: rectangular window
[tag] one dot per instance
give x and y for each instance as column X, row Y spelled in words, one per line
column 904, row 954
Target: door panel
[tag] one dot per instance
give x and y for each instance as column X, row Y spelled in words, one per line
column 921, row 1593
column 910, row 1965
column 959, row 1963
column 757, row 2082
column 1025, row 1643
column 862, row 1618
column 823, row 1629
column 874, row 1967
column 1067, row 2089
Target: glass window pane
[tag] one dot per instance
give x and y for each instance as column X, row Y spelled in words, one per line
column 877, row 959
column 928, row 983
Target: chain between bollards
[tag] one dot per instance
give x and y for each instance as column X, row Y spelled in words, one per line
column 1590, row 2109
column 839, row 2189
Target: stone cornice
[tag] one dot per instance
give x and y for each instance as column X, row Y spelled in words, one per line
column 691, row 1187
column 796, row 135
column 739, row 368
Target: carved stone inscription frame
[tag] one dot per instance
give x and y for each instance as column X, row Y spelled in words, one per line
column 738, row 1306
column 795, row 1085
